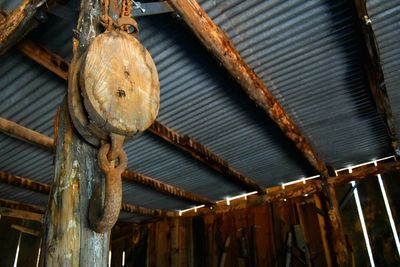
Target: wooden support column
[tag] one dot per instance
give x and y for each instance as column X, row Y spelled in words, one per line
column 68, row 240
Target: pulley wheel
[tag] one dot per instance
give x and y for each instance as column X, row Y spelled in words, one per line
column 119, row 83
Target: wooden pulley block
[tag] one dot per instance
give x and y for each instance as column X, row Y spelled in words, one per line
column 119, row 84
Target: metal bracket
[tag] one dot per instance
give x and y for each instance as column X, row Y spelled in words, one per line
column 148, row 9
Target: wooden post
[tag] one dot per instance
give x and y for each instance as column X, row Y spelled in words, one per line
column 68, row 240
column 336, row 228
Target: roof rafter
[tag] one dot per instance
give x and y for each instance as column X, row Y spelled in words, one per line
column 374, row 73
column 60, row 67
column 43, row 188
column 218, row 43
column 15, row 130
column 18, row 23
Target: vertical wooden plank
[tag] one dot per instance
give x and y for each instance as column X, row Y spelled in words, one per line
column 174, row 237
column 225, row 229
column 163, row 243
column 68, row 239
column 262, row 238
column 151, row 245
column 242, row 238
column 209, row 241
column 323, row 231
column 199, row 242
column 309, row 221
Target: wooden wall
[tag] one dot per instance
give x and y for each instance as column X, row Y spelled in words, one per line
column 243, row 237
column 258, row 236
column 10, row 238
column 252, row 236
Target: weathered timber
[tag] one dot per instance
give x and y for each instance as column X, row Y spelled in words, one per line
column 194, row 148
column 158, row 213
column 35, row 186
column 68, row 239
column 336, row 228
column 45, row 57
column 15, row 205
column 25, row 230
column 21, row 214
column 204, row 155
column 218, row 43
column 374, row 73
column 20, row 132
column 365, row 172
column 23, row 182
column 324, row 235
column 18, row 23
column 135, row 177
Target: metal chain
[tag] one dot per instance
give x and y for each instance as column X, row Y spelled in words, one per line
column 102, row 220
column 125, row 22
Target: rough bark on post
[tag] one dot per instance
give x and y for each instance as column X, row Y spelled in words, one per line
column 68, row 240
column 336, row 228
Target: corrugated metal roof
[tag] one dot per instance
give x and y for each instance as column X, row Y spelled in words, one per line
column 305, row 51
column 385, row 16
column 307, row 54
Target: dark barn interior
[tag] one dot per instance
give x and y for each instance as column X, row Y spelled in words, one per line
column 199, row 133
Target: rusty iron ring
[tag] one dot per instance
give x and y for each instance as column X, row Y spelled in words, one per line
column 103, row 219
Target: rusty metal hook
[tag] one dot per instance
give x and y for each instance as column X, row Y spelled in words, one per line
column 103, row 219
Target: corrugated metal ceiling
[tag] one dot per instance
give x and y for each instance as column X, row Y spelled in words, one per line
column 305, row 51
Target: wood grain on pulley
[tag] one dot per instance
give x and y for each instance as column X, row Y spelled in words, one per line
column 119, row 82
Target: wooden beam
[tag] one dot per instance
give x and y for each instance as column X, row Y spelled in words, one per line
column 57, row 65
column 45, row 57
column 373, row 70
column 18, row 23
column 218, row 43
column 11, row 204
column 25, row 183
column 157, row 213
column 21, row 214
column 44, row 141
column 165, row 188
column 25, row 230
column 20, row 132
column 365, row 172
column 205, row 155
column 279, row 193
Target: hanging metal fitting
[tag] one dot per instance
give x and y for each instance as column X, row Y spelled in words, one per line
column 138, row 5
